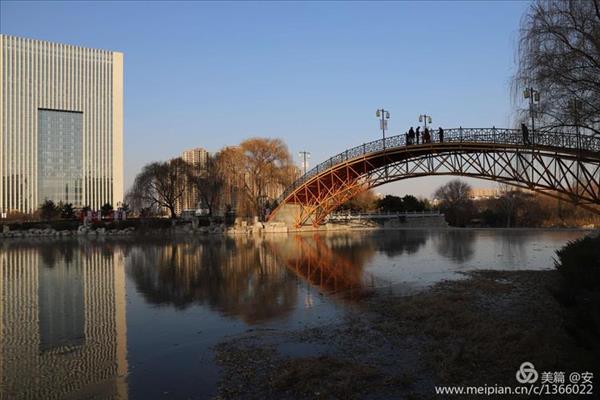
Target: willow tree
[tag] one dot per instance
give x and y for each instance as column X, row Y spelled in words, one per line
column 559, row 55
column 160, row 185
column 266, row 169
column 208, row 181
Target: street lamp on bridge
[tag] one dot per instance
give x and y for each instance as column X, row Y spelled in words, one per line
column 534, row 97
column 575, row 108
column 304, row 155
column 383, row 116
column 425, row 118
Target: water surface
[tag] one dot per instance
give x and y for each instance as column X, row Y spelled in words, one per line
column 138, row 317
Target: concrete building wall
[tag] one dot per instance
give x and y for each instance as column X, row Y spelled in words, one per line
column 37, row 75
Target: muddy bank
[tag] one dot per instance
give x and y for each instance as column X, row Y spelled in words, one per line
column 474, row 331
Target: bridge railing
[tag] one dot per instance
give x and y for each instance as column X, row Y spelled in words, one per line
column 340, row 216
column 455, row 135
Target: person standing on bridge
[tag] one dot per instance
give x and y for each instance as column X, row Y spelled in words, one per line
column 411, row 135
column 525, row 132
column 441, row 134
column 418, row 133
column 426, row 136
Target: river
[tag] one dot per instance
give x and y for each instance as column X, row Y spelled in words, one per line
column 139, row 317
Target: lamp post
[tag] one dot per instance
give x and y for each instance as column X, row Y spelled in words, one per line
column 425, row 118
column 304, row 155
column 383, row 116
column 575, row 106
column 534, row 97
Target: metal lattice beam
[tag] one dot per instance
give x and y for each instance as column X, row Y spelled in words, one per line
column 560, row 165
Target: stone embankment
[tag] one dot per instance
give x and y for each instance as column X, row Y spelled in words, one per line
column 240, row 227
column 49, row 232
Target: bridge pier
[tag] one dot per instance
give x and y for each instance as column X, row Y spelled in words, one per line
column 288, row 214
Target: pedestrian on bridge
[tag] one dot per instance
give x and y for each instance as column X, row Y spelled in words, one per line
column 411, row 135
column 525, row 132
column 441, row 134
column 418, row 133
column 426, row 136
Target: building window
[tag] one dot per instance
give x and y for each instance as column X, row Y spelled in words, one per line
column 60, row 156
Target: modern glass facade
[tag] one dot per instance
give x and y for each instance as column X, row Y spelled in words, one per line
column 61, row 125
column 60, row 156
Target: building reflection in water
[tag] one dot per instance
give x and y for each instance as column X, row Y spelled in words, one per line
column 236, row 276
column 63, row 332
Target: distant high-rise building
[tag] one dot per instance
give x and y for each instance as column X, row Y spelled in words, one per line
column 61, row 121
column 198, row 157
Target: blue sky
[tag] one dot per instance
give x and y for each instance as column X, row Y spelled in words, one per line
column 312, row 73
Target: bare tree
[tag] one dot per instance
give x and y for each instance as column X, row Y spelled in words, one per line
column 267, row 169
column 160, row 184
column 209, row 182
column 455, row 202
column 559, row 54
column 507, row 203
column 230, row 165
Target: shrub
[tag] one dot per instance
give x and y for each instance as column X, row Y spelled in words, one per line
column 49, row 210
column 579, row 263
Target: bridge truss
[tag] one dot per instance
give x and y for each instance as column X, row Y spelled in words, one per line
column 565, row 166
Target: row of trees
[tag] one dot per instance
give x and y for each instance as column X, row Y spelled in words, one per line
column 50, row 210
column 511, row 208
column 368, row 202
column 245, row 178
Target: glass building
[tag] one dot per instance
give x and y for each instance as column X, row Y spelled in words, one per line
column 60, row 156
column 61, row 124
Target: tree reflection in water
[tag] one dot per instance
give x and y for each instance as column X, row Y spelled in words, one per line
column 396, row 243
column 236, row 276
column 456, row 245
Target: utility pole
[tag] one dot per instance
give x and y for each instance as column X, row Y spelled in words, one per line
column 304, row 155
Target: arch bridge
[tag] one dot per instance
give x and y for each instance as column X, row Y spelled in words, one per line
column 560, row 165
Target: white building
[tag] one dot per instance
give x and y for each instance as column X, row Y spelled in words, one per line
column 61, row 121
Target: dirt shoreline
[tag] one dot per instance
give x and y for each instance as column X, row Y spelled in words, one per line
column 475, row 332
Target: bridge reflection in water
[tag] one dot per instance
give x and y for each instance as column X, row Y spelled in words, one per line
column 62, row 316
column 316, row 260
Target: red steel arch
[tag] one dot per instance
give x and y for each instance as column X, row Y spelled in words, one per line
column 561, row 165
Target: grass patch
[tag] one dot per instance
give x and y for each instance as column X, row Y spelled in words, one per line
column 324, row 377
column 481, row 329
